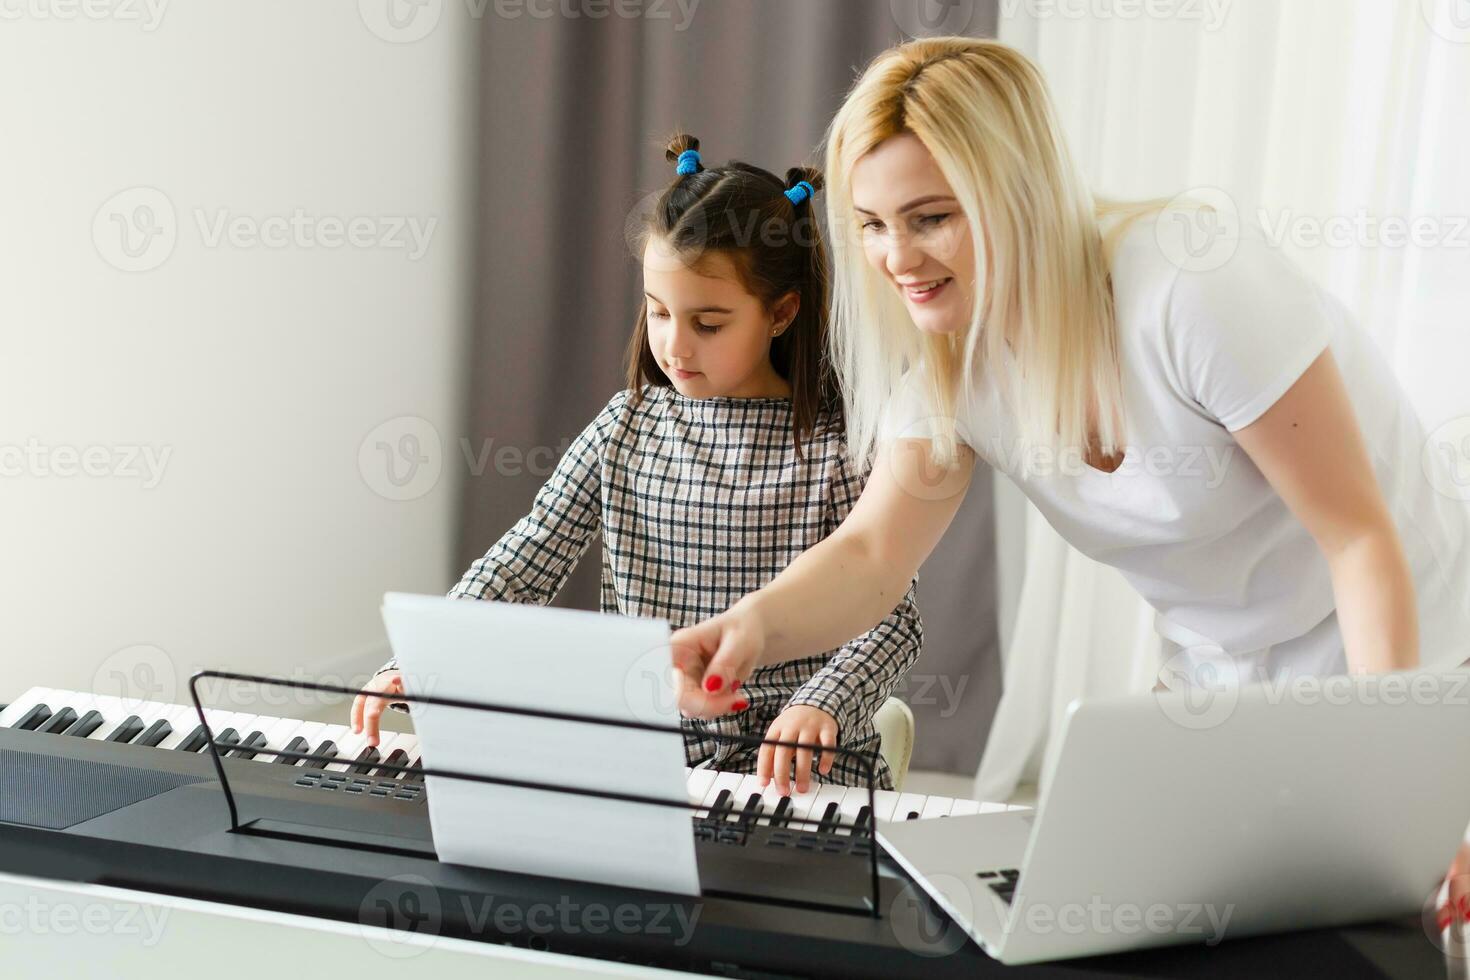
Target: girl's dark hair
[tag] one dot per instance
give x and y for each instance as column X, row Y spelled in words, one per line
column 742, row 212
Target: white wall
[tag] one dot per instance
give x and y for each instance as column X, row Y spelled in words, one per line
column 258, row 369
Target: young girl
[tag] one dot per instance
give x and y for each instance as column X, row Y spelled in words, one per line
column 722, row 460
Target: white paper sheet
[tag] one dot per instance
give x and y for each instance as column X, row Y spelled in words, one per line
column 558, row 660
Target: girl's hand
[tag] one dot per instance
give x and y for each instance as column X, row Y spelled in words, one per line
column 713, row 658
column 366, row 709
column 799, row 723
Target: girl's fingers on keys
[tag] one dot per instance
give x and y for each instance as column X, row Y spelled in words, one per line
column 783, row 768
column 804, row 763
column 764, row 761
column 829, row 739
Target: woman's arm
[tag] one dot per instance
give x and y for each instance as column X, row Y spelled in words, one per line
column 834, row 590
column 1308, row 445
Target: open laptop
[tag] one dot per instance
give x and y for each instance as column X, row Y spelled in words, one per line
column 1165, row 822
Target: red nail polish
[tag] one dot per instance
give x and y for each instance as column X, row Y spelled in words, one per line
column 713, row 683
column 741, row 705
column 734, row 685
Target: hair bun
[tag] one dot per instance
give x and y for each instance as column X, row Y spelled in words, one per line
column 812, row 175
column 678, row 144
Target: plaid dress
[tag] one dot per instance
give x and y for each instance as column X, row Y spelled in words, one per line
column 698, row 502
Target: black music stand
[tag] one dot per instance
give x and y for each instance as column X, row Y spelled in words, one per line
column 869, row 759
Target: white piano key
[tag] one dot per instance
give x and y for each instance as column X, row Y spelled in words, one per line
column 886, row 801
column 908, row 803
column 392, row 742
column 184, row 720
column 964, row 808
column 722, row 781
column 314, row 733
column 992, row 808
column 153, row 712
column 853, row 802
column 22, row 705
column 349, row 746
column 749, row 786
column 801, row 806
column 936, row 806
column 276, row 736
column 697, row 783
column 770, row 799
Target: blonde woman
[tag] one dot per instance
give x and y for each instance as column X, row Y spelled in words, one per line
column 1226, row 436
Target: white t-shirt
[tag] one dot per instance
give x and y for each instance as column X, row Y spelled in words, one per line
column 1187, row 517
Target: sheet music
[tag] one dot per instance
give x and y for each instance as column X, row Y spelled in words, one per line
column 553, row 659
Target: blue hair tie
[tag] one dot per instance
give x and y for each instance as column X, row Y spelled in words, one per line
column 688, row 163
column 800, row 192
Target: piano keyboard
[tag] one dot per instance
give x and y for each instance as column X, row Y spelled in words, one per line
column 730, row 796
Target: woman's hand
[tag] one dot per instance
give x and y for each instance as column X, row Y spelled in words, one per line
column 366, row 709
column 1456, row 907
column 713, row 658
column 798, row 723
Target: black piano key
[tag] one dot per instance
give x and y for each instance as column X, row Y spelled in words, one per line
column 297, row 744
column 328, row 750
column 155, row 733
column 33, row 718
column 226, row 740
column 130, row 728
column 913, row 815
column 194, row 741
column 721, row 805
column 397, row 757
column 782, row 815
column 415, row 772
column 252, row 744
column 59, row 722
column 86, row 724
column 862, row 824
column 752, row 809
column 364, row 763
column 828, row 822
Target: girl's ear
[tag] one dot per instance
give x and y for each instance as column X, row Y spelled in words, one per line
column 784, row 312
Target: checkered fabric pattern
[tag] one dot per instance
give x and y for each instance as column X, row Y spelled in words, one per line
column 700, row 501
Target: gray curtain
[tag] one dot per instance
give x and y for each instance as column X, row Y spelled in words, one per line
column 573, row 118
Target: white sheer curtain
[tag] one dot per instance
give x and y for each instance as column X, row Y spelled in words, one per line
column 1336, row 124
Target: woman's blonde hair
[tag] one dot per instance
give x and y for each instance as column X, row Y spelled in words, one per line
column 1041, row 280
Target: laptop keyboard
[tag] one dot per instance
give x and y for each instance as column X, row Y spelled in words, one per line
column 1002, row 882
